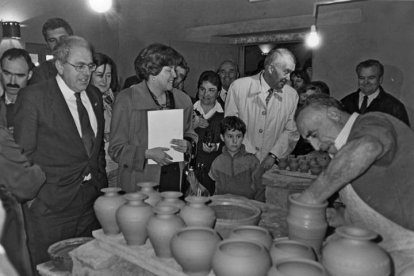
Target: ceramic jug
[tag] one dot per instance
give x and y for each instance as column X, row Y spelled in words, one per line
column 197, row 213
column 193, row 248
column 307, row 222
column 162, row 227
column 133, row 217
column 352, row 252
column 148, row 188
column 105, row 208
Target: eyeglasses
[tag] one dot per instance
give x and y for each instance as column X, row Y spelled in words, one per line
column 83, row 67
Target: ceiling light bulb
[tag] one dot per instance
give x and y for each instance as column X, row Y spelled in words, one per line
column 100, row 6
column 313, row 39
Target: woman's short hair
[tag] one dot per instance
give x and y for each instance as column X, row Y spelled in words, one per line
column 102, row 59
column 210, row 76
column 153, row 58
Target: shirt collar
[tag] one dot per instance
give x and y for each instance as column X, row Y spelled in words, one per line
column 6, row 99
column 342, row 138
column 66, row 91
column 370, row 97
column 217, row 108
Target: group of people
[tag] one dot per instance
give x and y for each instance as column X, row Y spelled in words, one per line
column 66, row 130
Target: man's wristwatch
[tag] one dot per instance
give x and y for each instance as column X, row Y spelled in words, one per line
column 274, row 158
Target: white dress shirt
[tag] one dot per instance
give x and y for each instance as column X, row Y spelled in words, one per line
column 370, row 97
column 70, row 99
column 270, row 128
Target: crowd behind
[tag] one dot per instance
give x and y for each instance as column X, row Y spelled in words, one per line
column 68, row 130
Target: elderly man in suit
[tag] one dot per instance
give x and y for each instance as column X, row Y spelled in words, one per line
column 59, row 123
column 371, row 96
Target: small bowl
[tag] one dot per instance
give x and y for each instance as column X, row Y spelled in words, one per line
column 59, row 252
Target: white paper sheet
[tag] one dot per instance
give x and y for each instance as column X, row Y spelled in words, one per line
column 163, row 126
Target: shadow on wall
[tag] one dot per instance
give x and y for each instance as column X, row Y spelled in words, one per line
column 393, row 80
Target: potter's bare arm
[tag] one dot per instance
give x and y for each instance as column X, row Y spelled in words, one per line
column 350, row 162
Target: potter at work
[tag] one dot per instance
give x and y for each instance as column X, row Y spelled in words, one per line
column 368, row 152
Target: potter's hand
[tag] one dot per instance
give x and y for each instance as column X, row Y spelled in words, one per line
column 159, row 155
column 181, row 145
column 203, row 123
column 336, row 216
column 267, row 163
column 211, row 148
column 307, row 197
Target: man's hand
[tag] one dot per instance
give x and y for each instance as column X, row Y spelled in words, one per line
column 267, row 163
column 336, row 216
column 307, row 197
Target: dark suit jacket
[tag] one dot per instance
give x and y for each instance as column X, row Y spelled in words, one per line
column 45, row 128
column 385, row 102
column 46, row 70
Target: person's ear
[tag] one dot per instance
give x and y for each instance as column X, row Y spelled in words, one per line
column 59, row 66
column 29, row 76
column 380, row 80
column 333, row 114
column 222, row 137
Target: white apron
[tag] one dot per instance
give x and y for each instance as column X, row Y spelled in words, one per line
column 397, row 241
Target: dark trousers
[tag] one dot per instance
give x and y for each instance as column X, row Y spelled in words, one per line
column 45, row 227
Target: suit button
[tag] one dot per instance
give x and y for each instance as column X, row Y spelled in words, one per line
column 260, row 130
column 125, row 166
column 263, row 113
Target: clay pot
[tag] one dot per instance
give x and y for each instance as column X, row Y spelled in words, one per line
column 315, row 170
column 241, row 258
column 197, row 213
column 323, row 161
column 307, row 222
column 283, row 249
column 162, row 227
column 105, row 208
column 293, row 164
column 133, row 217
column 304, row 167
column 148, row 188
column 297, row 267
column 171, row 198
column 353, row 252
column 252, row 233
column 282, row 164
column 193, row 249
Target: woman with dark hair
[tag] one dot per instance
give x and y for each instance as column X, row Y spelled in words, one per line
column 208, row 114
column 128, row 145
column 299, row 80
column 105, row 78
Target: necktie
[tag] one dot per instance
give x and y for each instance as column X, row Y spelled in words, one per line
column 271, row 91
column 364, row 105
column 88, row 136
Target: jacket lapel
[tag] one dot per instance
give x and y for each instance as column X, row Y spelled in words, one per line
column 61, row 114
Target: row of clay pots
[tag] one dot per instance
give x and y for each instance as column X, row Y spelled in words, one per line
column 312, row 165
column 350, row 252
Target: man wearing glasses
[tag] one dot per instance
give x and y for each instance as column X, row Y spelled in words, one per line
column 59, row 123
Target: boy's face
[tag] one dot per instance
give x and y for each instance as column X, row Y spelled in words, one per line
column 233, row 140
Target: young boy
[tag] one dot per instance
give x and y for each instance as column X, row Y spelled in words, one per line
column 236, row 171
